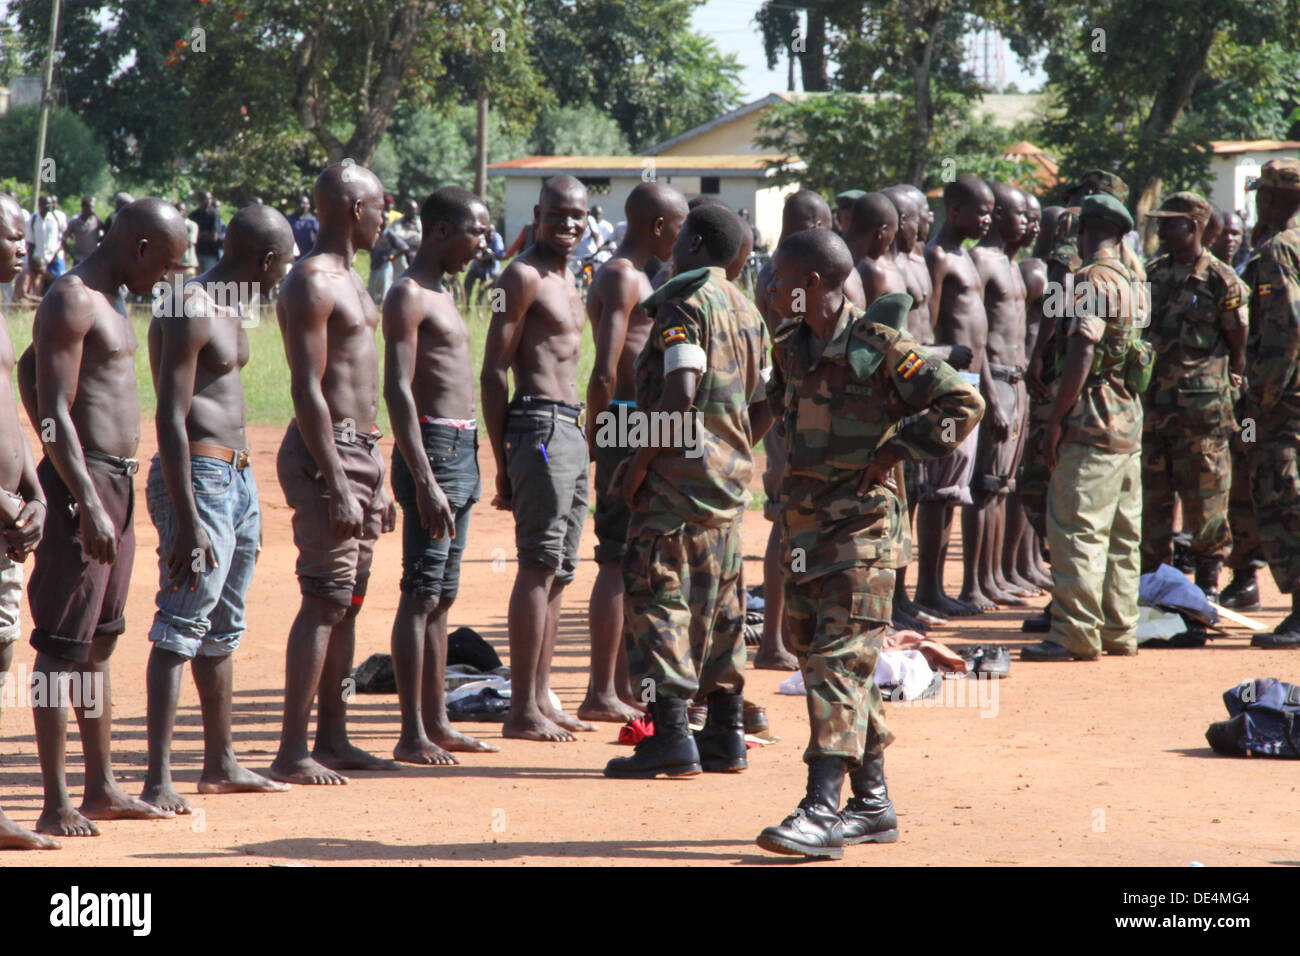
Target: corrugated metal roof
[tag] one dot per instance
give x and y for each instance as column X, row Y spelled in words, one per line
column 707, row 165
column 1229, row 146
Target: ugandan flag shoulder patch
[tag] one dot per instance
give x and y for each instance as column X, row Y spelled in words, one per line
column 910, row 365
column 674, row 335
column 1265, row 288
column 1230, row 303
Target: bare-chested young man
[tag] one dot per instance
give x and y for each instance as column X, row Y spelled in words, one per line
column 429, row 388
column 540, row 447
column 996, row 461
column 804, row 209
column 654, row 213
column 958, row 318
column 331, row 471
column 870, row 238
column 78, row 382
column 203, row 499
column 22, row 502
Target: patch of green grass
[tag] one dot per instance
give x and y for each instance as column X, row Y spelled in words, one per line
column 266, row 377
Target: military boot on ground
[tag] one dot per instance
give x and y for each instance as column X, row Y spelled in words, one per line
column 814, row 829
column 670, row 750
column 1242, row 592
column 721, row 743
column 869, row 816
column 1207, row 578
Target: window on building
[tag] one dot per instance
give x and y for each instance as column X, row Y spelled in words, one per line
column 710, row 185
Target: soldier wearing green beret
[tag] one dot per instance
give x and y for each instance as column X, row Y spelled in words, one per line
column 855, row 395
column 1273, row 389
column 1093, row 449
column 1198, row 331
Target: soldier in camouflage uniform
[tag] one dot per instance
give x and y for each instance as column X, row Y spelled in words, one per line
column 842, row 384
column 1198, row 331
column 1273, row 392
column 706, row 357
column 1094, row 502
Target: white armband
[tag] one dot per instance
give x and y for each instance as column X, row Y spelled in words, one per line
column 765, row 375
column 685, row 356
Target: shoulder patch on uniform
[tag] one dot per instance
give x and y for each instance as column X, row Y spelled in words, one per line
column 1265, row 288
column 910, row 365
column 1233, row 301
column 674, row 335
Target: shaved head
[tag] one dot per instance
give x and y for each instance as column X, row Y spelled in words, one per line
column 1005, row 194
column 563, row 187
column 256, row 230
column 151, row 219
column 805, row 209
column 903, row 195
column 11, row 211
column 964, row 189
column 871, row 212
column 651, row 201
column 820, row 251
column 340, row 186
column 449, row 204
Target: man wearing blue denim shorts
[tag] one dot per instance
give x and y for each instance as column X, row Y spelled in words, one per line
column 429, row 388
column 540, row 447
column 203, row 500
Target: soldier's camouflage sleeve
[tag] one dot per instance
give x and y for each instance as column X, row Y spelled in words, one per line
column 682, row 329
column 1276, row 319
column 776, row 381
column 945, row 407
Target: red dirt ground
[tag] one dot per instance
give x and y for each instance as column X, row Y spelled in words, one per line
column 1096, row 763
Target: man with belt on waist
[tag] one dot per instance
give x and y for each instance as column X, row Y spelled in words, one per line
column 331, row 472
column 429, row 388
column 203, row 500
column 540, row 446
column 79, row 388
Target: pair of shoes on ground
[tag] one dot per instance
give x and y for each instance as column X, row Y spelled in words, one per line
column 987, row 661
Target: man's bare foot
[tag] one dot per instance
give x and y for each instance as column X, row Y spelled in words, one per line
column 943, row 606
column 928, row 617
column 1019, row 585
column 14, row 837
column 305, row 771
column 65, row 822
column 164, row 797
column 424, row 752
column 778, row 660
column 978, row 600
column 113, row 804
column 606, row 710
column 1002, row 597
column 1042, row 577
column 456, row 742
column 239, row 780
column 348, row 757
column 535, row 728
column 571, row 723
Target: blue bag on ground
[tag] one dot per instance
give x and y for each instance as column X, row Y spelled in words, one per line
column 1166, row 587
column 1265, row 720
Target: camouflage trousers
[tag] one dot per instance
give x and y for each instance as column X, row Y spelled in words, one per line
column 1276, row 487
column 1197, row 470
column 837, row 623
column 683, row 611
column 1247, row 549
column 1032, row 482
column 1094, row 530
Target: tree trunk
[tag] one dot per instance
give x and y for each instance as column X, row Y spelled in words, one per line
column 812, row 61
column 932, row 24
column 481, row 144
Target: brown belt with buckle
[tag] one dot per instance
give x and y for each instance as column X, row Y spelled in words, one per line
column 232, row 456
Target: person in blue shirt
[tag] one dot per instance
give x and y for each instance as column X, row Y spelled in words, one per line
column 485, row 267
column 304, row 226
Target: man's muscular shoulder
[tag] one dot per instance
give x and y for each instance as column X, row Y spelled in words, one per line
column 69, row 303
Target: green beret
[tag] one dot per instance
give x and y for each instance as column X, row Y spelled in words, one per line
column 849, row 197
column 1107, row 207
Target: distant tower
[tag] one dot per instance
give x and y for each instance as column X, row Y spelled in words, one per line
column 984, row 57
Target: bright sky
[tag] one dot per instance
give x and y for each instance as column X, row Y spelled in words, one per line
column 731, row 25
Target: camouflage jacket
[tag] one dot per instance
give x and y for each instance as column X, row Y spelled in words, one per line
column 1191, row 307
column 1273, row 348
column 704, row 478
column 1106, row 312
column 838, row 412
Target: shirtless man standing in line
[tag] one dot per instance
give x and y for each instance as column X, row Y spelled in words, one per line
column 870, row 238
column 540, row 447
column 203, row 500
column 803, row 210
column 957, row 315
column 22, row 502
column 331, row 472
column 429, row 389
column 80, row 382
column 996, row 461
column 620, row 327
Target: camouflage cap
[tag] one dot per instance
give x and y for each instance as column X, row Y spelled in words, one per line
column 1280, row 174
column 1186, row 205
column 1107, row 207
column 1100, row 181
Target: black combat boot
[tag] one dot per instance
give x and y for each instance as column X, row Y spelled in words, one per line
column 1242, row 592
column 1207, row 577
column 814, row 829
column 722, row 741
column 869, row 816
column 670, row 750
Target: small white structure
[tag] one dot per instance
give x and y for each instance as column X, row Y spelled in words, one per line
column 1235, row 163
column 741, row 181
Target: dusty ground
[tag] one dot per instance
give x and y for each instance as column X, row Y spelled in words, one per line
column 1101, row 763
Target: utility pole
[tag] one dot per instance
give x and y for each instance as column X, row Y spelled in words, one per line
column 47, row 96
